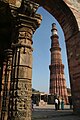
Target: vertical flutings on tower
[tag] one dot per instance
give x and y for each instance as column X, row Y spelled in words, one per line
column 57, row 78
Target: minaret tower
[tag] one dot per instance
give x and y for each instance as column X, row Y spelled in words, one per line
column 57, row 79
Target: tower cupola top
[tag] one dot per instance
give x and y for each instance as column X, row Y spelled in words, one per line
column 54, row 30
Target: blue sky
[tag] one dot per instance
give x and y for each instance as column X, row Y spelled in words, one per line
column 41, row 53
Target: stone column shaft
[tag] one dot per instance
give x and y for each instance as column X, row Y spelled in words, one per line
column 21, row 80
column 6, row 82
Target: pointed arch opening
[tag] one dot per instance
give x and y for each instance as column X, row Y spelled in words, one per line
column 70, row 25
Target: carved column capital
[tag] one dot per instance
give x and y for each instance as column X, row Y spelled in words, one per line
column 29, row 22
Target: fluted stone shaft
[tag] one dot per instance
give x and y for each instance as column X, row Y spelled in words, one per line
column 6, row 83
column 21, row 78
column 57, row 78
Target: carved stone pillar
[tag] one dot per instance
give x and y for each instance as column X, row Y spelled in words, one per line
column 21, row 80
column 6, row 83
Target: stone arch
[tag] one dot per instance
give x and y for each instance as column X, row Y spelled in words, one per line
column 63, row 14
column 68, row 17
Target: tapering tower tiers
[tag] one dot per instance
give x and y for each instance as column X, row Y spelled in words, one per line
column 57, row 78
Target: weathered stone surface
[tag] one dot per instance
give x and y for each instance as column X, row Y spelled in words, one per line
column 21, row 82
column 74, row 5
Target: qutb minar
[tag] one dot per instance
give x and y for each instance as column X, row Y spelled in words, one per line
column 57, row 78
